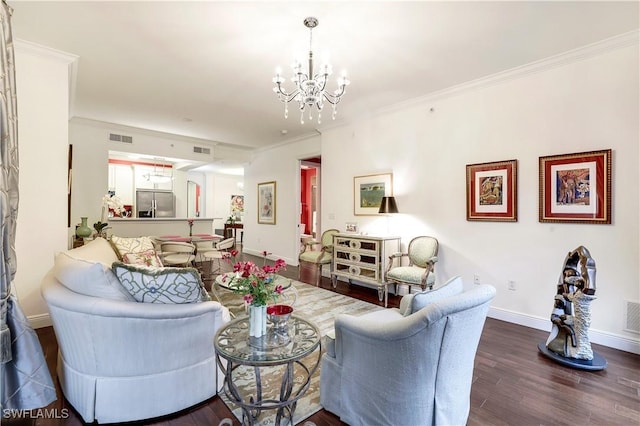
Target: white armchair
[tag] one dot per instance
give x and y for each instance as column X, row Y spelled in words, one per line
column 409, row 366
column 120, row 360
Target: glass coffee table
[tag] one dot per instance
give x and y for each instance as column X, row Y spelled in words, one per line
column 234, row 351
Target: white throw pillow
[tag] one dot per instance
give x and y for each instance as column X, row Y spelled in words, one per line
column 88, row 277
column 96, row 250
column 161, row 285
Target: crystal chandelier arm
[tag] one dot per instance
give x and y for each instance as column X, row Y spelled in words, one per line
column 284, row 96
column 333, row 99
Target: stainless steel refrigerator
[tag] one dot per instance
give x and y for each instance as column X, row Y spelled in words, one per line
column 155, row 204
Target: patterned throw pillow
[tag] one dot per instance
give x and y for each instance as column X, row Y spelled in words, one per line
column 125, row 245
column 161, row 285
column 147, row 258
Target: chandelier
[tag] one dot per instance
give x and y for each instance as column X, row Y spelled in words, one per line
column 309, row 87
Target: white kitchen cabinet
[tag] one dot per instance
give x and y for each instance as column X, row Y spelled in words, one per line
column 121, row 181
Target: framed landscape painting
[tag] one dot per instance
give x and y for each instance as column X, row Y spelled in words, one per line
column 576, row 188
column 492, row 191
column 368, row 192
column 267, row 203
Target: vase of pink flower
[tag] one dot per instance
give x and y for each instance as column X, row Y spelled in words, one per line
column 190, row 222
column 257, row 286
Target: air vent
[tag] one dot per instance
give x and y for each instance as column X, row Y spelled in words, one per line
column 120, row 138
column 633, row 317
column 201, row 150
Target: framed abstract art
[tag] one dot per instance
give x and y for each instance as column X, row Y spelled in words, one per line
column 492, row 191
column 576, row 188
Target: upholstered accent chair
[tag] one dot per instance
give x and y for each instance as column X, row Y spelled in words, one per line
column 408, row 366
column 422, row 253
column 120, row 360
column 318, row 253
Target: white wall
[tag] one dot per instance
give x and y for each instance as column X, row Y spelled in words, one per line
column 585, row 101
column 220, row 188
column 282, row 165
column 42, row 78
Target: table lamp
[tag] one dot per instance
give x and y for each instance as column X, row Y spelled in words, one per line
column 388, row 205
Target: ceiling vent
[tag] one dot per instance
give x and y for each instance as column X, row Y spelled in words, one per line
column 120, row 138
column 202, row 150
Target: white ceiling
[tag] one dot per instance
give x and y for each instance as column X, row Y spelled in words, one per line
column 203, row 69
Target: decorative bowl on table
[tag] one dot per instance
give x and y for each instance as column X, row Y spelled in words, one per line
column 278, row 315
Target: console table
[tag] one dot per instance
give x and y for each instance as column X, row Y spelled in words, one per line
column 230, row 230
column 363, row 258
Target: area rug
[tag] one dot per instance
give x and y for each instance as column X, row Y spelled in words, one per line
column 315, row 304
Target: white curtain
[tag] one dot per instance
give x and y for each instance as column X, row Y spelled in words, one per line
column 25, row 382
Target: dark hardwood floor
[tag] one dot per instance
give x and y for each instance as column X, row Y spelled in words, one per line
column 513, row 383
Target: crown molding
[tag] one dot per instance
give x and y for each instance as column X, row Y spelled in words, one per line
column 608, row 45
column 36, row 49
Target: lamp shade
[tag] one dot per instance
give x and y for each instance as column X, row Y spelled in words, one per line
column 388, row 205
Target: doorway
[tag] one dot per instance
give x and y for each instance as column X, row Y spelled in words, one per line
column 309, row 220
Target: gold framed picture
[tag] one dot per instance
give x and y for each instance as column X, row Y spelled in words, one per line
column 267, row 203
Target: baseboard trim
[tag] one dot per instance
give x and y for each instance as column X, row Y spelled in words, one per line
column 598, row 337
column 40, row 321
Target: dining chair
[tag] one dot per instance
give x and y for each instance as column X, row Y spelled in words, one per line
column 217, row 253
column 202, row 247
column 177, row 253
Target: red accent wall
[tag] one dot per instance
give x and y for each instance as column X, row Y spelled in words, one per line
column 306, row 216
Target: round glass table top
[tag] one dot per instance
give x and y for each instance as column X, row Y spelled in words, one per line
column 232, row 342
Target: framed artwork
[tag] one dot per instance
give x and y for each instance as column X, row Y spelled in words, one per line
column 368, row 192
column 237, row 205
column 267, row 203
column 351, row 227
column 492, row 191
column 576, row 188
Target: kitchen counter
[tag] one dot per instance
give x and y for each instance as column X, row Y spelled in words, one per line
column 136, row 227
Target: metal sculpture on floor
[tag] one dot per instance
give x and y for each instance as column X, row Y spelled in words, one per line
column 568, row 342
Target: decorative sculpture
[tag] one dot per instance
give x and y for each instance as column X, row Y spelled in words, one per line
column 568, row 342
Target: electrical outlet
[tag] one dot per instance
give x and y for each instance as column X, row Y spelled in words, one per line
column 476, row 279
column 512, row 285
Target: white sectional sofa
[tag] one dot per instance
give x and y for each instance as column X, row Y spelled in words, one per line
column 122, row 360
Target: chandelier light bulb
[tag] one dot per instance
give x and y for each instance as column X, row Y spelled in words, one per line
column 310, row 86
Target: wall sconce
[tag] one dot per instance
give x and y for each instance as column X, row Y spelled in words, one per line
column 388, row 205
